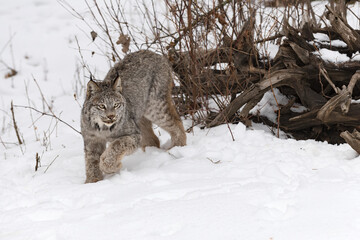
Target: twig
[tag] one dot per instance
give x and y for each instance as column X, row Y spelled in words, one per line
column 276, row 36
column 12, row 72
column 31, row 116
column 214, row 162
column 354, row 14
column 70, row 9
column 51, row 163
column 325, row 74
column 84, row 65
column 37, row 159
column 232, row 135
column 49, row 107
column 104, row 27
column 185, row 30
column 42, row 96
column 2, row 142
column 15, row 125
column 11, row 52
column 7, row 43
column 172, row 155
column 50, row 115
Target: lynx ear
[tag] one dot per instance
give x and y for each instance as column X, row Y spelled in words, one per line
column 92, row 88
column 117, row 85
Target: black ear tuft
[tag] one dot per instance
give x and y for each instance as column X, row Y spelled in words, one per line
column 92, row 88
column 117, row 85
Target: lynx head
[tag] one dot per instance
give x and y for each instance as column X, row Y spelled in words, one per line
column 106, row 103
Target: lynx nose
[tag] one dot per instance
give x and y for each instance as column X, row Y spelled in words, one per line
column 111, row 117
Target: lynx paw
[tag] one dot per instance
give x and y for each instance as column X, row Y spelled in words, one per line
column 94, row 176
column 94, row 179
column 109, row 163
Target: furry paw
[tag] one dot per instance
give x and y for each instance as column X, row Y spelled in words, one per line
column 93, row 178
column 110, row 163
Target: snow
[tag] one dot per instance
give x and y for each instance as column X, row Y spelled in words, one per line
column 332, row 56
column 322, row 37
column 268, row 105
column 229, row 182
column 356, row 57
column 261, row 187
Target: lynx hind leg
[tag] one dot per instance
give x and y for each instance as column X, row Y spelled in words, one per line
column 148, row 137
column 163, row 113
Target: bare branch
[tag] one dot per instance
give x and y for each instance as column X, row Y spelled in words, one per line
column 50, row 115
column 15, row 125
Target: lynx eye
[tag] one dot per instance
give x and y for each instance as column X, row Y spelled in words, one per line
column 117, row 105
column 101, row 106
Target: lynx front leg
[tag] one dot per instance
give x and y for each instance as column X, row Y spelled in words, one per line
column 110, row 160
column 93, row 150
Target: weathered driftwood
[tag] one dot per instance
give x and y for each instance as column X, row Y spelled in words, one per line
column 347, row 33
column 309, row 119
column 326, row 89
column 353, row 139
column 256, row 91
column 342, row 99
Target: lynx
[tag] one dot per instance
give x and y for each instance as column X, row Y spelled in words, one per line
column 118, row 112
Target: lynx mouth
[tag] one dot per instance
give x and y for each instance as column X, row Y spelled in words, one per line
column 109, row 122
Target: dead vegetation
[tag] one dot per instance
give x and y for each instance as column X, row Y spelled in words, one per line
column 219, row 51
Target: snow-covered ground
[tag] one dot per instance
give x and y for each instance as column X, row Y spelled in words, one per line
column 253, row 187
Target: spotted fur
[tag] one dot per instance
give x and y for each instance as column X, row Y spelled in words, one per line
column 118, row 112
